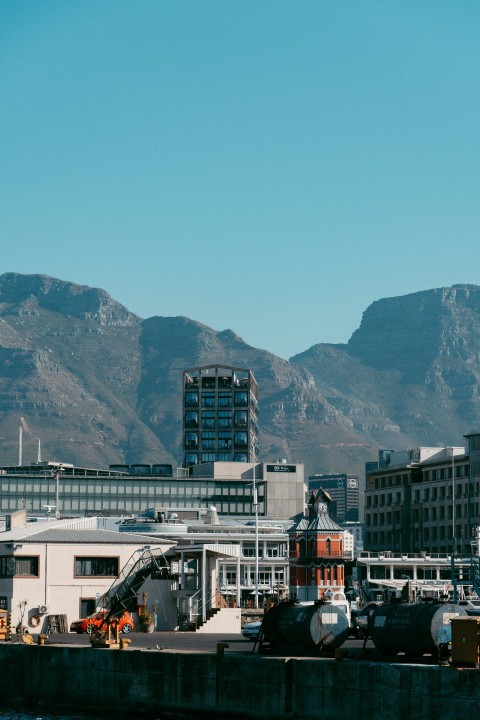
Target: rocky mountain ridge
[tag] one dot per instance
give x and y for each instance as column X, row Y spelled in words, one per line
column 99, row 385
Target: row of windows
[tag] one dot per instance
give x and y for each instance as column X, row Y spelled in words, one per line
column 221, row 381
column 272, row 550
column 266, row 576
column 427, row 494
column 192, row 458
column 210, row 442
column 28, row 566
column 209, row 419
column 441, row 473
column 220, row 399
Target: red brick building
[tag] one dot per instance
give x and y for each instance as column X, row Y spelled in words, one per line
column 316, row 555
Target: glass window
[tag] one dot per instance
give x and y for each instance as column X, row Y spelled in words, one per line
column 224, row 443
column 241, row 440
column 248, row 549
column 208, row 399
column 241, row 457
column 225, row 457
column 19, row 566
column 208, row 444
column 208, row 423
column 224, row 422
column 208, row 457
column 241, row 399
column 191, row 419
column 241, row 418
column 96, row 566
column 191, row 399
column 225, row 399
column 191, row 440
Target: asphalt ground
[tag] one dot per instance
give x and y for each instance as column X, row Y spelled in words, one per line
column 181, row 642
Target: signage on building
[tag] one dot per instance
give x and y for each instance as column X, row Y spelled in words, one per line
column 282, row 468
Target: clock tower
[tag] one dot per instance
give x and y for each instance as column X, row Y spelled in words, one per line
column 316, row 553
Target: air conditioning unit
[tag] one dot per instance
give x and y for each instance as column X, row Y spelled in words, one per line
column 42, row 609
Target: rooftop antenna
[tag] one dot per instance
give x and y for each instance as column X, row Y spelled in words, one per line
column 20, row 445
column 39, row 456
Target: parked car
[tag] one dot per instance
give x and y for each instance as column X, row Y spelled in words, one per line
column 125, row 623
column 251, row 631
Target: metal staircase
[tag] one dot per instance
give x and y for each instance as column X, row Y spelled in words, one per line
column 122, row 594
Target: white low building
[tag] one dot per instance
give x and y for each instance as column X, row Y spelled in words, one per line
column 60, row 568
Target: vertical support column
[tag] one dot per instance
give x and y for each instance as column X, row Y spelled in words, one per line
column 203, row 571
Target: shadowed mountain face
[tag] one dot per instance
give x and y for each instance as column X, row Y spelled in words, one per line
column 99, row 385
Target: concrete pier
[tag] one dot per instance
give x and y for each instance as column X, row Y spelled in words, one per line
column 232, row 685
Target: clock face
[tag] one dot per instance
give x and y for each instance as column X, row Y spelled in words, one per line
column 320, row 507
column 352, row 483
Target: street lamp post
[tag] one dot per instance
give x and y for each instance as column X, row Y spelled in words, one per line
column 57, row 473
column 454, row 541
column 255, row 509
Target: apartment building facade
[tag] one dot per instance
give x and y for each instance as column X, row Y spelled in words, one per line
column 220, row 415
column 424, row 500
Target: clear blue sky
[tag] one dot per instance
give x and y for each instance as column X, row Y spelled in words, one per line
column 266, row 166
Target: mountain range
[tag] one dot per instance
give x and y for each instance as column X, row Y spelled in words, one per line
column 89, row 382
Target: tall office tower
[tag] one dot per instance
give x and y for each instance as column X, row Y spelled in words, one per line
column 220, row 411
column 343, row 489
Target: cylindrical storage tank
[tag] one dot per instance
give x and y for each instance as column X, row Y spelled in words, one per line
column 305, row 628
column 140, row 469
column 162, row 469
column 414, row 629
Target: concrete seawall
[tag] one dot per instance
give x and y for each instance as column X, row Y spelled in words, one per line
column 233, row 685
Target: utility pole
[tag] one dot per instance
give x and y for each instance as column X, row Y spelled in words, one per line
column 255, row 509
column 57, row 473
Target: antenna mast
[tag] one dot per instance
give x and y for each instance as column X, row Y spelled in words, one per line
column 20, row 445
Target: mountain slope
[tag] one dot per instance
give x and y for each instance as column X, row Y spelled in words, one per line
column 99, row 385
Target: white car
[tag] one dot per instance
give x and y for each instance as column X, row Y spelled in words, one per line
column 251, row 631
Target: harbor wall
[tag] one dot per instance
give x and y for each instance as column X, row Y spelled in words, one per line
column 146, row 683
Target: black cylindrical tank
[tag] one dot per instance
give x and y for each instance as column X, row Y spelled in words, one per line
column 415, row 629
column 305, row 628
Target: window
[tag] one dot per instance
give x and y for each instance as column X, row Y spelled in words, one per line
column 191, row 399
column 208, row 399
column 190, row 459
column 241, row 440
column 224, row 419
column 224, row 399
column 96, row 567
column 241, row 418
column 208, row 441
column 231, row 576
column 191, row 419
column 19, row 566
column 191, row 440
column 87, row 607
column 248, row 550
column 241, row 399
column 276, row 549
column 208, row 457
column 224, row 440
